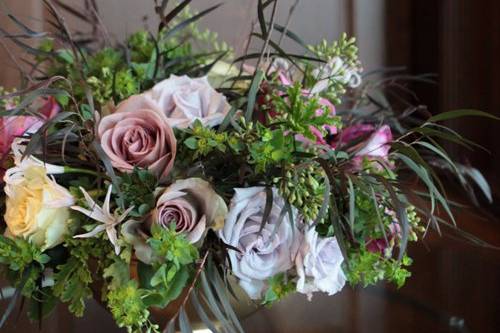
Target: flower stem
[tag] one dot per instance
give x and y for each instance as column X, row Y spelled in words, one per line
column 82, row 171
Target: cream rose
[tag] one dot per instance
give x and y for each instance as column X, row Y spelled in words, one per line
column 138, row 135
column 37, row 208
column 192, row 204
column 183, row 100
column 319, row 265
column 262, row 254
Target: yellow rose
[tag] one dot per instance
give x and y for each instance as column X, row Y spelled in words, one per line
column 37, row 208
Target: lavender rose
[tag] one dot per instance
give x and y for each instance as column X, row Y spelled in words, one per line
column 319, row 265
column 192, row 204
column 138, row 135
column 183, row 100
column 264, row 253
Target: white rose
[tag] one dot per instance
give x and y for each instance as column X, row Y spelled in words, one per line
column 262, row 254
column 184, row 100
column 37, row 208
column 319, row 265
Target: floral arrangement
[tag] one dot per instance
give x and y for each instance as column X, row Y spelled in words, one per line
column 161, row 172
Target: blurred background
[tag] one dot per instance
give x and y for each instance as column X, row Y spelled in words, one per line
column 455, row 285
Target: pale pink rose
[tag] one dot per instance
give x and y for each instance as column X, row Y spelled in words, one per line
column 193, row 205
column 16, row 126
column 183, row 100
column 138, row 135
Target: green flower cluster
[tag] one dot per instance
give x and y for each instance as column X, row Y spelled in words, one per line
column 301, row 187
column 26, row 263
column 368, row 268
column 279, row 286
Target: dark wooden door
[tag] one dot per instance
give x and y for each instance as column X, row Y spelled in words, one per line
column 459, row 40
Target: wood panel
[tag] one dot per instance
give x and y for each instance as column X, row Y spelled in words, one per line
column 459, row 40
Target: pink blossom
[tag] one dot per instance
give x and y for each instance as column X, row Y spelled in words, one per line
column 374, row 142
column 379, row 245
column 15, row 126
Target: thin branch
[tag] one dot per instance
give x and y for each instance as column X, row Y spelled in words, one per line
column 190, row 289
column 288, row 20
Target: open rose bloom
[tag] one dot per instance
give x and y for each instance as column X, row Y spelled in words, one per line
column 183, row 100
column 137, row 134
column 260, row 254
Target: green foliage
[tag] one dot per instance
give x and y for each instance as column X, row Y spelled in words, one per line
column 137, row 190
column 106, row 58
column 141, row 46
column 72, row 282
column 7, row 103
column 303, row 187
column 172, row 247
column 298, row 112
column 204, row 140
column 25, row 262
column 19, row 253
column 73, row 278
column 169, row 274
column 344, row 47
column 126, row 304
column 273, row 147
column 118, row 273
column 368, row 268
column 279, row 286
column 113, row 85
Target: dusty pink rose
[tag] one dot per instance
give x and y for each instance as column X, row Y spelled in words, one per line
column 193, row 205
column 15, row 126
column 138, row 135
column 184, row 100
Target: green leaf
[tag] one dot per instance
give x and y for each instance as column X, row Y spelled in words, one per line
column 479, row 179
column 201, row 312
column 118, row 272
column 159, row 277
column 191, row 143
column 42, row 305
column 184, row 324
column 190, row 20
column 460, row 113
column 290, row 34
column 252, row 94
